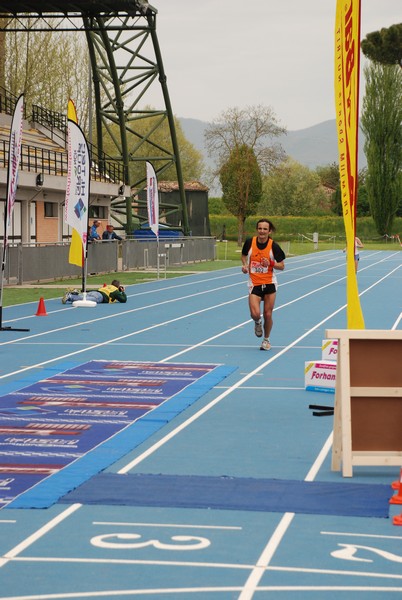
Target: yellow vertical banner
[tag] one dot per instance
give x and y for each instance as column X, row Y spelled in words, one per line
column 347, row 66
column 76, row 252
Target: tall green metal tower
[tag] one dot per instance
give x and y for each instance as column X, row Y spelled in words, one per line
column 126, row 68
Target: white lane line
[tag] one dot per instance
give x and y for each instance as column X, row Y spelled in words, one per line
column 256, row 574
column 311, row 475
column 268, row 552
column 365, row 535
column 111, row 316
column 312, row 292
column 117, row 339
column 242, row 283
column 122, row 337
column 144, row 283
column 165, row 592
column 292, row 281
column 82, row 350
column 395, row 325
column 14, row 552
column 174, row 525
column 253, row 580
column 226, row 273
column 8, row 520
column 228, row 391
column 218, row 335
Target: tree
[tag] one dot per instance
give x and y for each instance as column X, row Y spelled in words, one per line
column 254, row 126
column 363, row 206
column 216, row 206
column 227, row 139
column 381, row 122
column 191, row 159
column 384, row 46
column 292, row 189
column 50, row 68
column 241, row 183
column 329, row 175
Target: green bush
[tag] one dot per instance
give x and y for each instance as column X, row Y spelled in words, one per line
column 216, row 206
column 292, row 228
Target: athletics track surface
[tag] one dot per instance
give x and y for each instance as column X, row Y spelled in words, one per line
column 252, row 428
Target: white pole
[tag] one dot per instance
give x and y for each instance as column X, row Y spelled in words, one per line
column 157, row 255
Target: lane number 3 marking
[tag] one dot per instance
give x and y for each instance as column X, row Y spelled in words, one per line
column 126, row 540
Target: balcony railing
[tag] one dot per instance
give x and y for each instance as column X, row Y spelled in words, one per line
column 50, row 161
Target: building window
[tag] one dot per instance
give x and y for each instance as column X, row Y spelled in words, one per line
column 98, row 212
column 51, row 209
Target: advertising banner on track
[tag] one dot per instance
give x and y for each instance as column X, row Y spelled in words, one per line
column 52, row 423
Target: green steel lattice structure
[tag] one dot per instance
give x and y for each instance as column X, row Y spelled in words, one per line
column 126, row 63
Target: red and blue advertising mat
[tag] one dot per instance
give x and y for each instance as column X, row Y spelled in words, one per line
column 60, row 431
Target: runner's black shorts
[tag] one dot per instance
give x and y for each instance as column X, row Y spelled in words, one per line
column 261, row 290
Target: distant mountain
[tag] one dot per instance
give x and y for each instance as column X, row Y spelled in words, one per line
column 194, row 131
column 314, row 146
column 317, row 145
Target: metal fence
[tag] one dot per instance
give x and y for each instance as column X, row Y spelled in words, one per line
column 31, row 263
column 143, row 254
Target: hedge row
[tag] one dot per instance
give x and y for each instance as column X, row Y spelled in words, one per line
column 288, row 228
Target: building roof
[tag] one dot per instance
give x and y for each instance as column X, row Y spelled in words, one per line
column 189, row 186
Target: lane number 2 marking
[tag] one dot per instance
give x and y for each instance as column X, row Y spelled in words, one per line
column 348, row 551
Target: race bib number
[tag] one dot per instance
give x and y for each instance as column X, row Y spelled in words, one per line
column 257, row 267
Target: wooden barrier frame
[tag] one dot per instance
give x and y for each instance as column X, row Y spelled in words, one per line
column 368, row 399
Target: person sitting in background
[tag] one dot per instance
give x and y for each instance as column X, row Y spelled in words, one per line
column 107, row 294
column 93, row 233
column 110, row 234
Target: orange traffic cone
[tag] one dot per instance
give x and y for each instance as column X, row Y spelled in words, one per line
column 397, row 498
column 41, row 312
column 397, row 520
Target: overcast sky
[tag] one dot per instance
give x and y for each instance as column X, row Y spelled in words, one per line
column 219, row 54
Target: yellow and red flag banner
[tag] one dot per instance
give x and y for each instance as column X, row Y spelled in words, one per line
column 76, row 252
column 72, row 111
column 347, row 66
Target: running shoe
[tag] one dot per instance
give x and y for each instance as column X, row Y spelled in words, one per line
column 66, row 297
column 258, row 328
column 265, row 345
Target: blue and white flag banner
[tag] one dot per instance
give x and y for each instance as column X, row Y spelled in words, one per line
column 78, row 181
column 152, row 199
column 13, row 163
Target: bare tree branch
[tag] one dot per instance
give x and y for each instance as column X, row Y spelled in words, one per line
column 254, row 126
